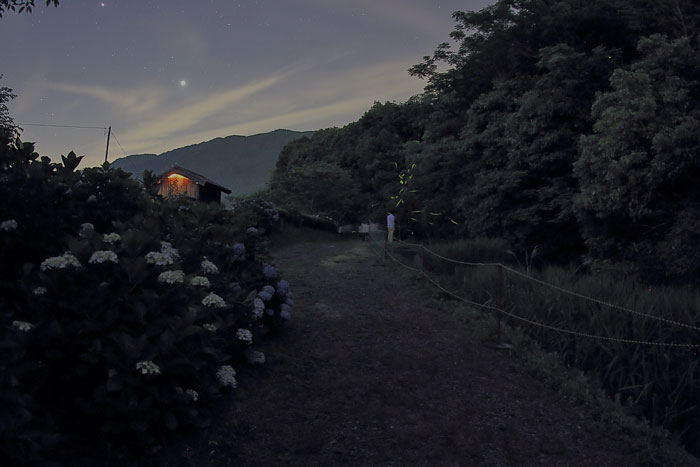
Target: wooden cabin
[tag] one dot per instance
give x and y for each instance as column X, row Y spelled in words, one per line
column 179, row 181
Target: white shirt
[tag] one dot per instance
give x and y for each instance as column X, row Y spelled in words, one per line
column 390, row 221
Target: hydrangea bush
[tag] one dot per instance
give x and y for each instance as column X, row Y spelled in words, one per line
column 120, row 314
column 262, row 215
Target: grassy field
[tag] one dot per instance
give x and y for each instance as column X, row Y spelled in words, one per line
column 643, row 354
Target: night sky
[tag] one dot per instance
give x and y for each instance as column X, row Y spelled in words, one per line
column 165, row 74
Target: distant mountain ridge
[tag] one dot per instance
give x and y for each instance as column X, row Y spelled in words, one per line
column 241, row 163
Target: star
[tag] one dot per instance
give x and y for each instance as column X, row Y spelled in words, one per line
column 183, row 83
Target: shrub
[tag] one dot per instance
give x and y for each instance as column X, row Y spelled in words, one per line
column 121, row 315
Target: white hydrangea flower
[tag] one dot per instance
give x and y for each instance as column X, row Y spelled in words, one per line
column 208, row 267
column 111, row 238
column 60, row 262
column 213, row 300
column 245, row 336
column 100, row 256
column 200, row 281
column 193, row 394
column 158, row 258
column 86, row 229
column 255, row 357
column 172, row 277
column 22, row 325
column 92, row 199
column 209, row 327
column 227, row 376
column 8, row 225
column 258, row 307
column 168, row 249
column 39, row 290
column 147, row 367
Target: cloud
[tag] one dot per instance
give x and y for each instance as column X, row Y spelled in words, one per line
column 420, row 17
column 299, row 102
column 315, row 117
column 133, row 101
column 171, row 123
column 31, row 89
column 299, row 98
column 188, row 39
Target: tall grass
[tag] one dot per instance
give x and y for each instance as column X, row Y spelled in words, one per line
column 662, row 382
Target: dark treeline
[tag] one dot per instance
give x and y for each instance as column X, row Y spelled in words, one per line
column 569, row 124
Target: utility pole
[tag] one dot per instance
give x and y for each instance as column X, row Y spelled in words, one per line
column 109, row 133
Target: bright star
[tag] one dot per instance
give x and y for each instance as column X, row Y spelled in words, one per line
column 183, row 83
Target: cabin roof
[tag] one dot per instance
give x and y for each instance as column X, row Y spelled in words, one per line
column 201, row 179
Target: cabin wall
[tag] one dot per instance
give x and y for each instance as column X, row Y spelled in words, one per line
column 178, row 186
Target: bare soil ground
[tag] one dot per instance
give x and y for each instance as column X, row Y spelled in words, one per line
column 371, row 372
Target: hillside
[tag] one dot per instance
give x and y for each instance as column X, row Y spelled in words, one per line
column 241, row 163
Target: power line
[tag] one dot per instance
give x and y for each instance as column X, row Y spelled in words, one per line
column 63, row 126
column 115, row 139
column 75, row 126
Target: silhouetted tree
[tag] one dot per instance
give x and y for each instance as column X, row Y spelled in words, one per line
column 7, row 124
column 21, row 6
column 638, row 171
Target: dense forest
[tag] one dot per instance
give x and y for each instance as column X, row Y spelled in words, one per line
column 570, row 125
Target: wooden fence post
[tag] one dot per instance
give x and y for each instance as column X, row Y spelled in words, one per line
column 500, row 305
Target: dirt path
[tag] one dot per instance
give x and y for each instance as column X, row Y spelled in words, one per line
column 372, row 373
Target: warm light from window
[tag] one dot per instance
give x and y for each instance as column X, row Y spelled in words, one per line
column 176, row 176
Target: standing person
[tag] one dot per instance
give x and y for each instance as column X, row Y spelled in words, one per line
column 390, row 222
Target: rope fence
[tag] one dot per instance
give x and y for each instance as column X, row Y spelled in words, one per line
column 528, row 321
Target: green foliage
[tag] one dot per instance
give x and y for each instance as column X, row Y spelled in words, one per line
column 640, row 164
column 566, row 126
column 8, row 128
column 656, row 380
column 149, row 180
column 118, row 310
column 317, row 187
column 674, row 18
column 21, row 6
column 255, row 211
column 348, row 173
